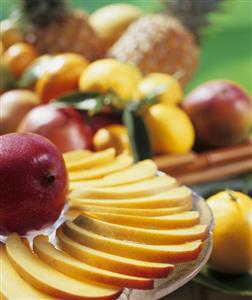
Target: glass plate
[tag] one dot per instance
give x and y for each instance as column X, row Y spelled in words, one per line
column 183, row 272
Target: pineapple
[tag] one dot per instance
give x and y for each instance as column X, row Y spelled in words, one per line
column 52, row 27
column 166, row 43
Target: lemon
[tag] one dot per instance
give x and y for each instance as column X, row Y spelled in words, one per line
column 232, row 236
column 111, row 75
column 170, row 89
column 171, row 130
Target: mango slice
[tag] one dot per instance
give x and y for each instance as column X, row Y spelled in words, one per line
column 119, row 163
column 93, row 160
column 72, row 267
column 169, row 198
column 75, row 155
column 138, row 172
column 112, row 262
column 74, row 211
column 142, row 235
column 140, row 189
column 152, row 253
column 50, row 281
column 181, row 220
column 12, row 285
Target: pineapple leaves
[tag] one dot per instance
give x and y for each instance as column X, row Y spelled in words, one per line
column 192, row 13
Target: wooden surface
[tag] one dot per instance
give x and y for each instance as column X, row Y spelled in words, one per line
column 206, row 166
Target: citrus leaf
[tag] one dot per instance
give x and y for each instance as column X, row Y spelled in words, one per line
column 34, row 72
column 79, row 100
column 138, row 134
column 225, row 283
column 76, row 97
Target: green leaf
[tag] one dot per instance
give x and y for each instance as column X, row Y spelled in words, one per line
column 138, row 134
column 34, row 71
column 229, row 284
column 79, row 100
column 99, row 105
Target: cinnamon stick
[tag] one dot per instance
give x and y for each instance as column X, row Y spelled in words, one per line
column 210, row 174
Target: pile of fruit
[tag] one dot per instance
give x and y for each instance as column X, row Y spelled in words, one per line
column 123, row 88
column 126, row 226
column 112, row 82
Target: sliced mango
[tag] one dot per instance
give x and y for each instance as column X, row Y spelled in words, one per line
column 48, row 280
column 141, row 235
column 74, row 268
column 152, row 253
column 138, row 172
column 172, row 197
column 94, row 160
column 12, row 285
column 119, row 163
column 140, row 189
column 181, row 220
column 74, row 211
column 114, row 263
column 75, row 155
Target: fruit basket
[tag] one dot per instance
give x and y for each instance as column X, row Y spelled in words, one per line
column 183, row 272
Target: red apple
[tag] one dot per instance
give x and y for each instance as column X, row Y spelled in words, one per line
column 33, row 182
column 61, row 125
column 221, row 112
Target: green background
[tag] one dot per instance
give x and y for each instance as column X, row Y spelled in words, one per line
column 226, row 47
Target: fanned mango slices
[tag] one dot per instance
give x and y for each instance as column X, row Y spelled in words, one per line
column 129, row 249
column 142, row 235
column 112, row 262
column 170, row 198
column 74, row 211
column 74, row 268
column 115, row 165
column 93, row 160
column 75, row 155
column 138, row 172
column 147, row 187
column 186, row 219
column 48, row 280
column 13, row 286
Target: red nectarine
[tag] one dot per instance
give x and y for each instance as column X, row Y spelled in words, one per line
column 221, row 112
column 61, row 125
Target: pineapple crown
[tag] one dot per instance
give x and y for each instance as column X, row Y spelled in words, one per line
column 42, row 12
column 192, row 13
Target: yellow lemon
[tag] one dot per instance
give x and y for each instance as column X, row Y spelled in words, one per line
column 111, row 75
column 170, row 89
column 232, row 236
column 171, row 130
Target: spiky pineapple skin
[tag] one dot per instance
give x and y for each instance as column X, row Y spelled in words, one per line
column 158, row 43
column 71, row 34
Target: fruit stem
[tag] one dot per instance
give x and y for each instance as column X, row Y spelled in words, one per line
column 232, row 197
